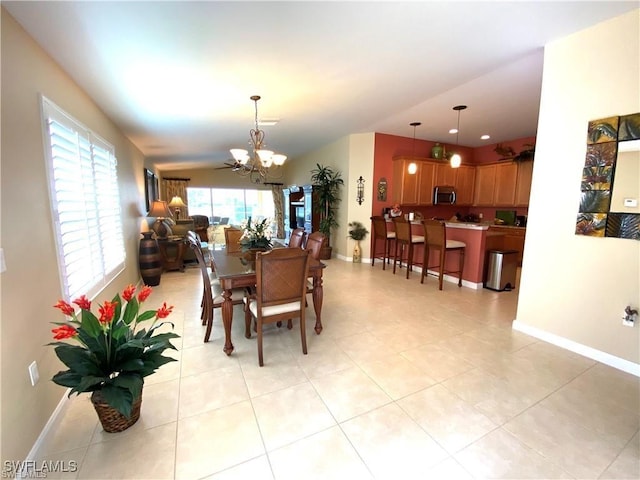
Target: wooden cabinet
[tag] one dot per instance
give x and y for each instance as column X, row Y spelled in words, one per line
column 405, row 184
column 485, row 185
column 298, row 210
column 464, row 184
column 523, row 183
column 445, row 175
column 511, row 238
column 505, row 192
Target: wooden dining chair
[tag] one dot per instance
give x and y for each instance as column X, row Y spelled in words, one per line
column 281, row 279
column 314, row 243
column 382, row 234
column 211, row 290
column 297, row 239
column 232, row 239
column 405, row 240
column 435, row 238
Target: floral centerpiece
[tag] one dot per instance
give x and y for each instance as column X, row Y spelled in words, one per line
column 256, row 236
column 111, row 354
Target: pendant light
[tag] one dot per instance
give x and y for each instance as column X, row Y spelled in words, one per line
column 456, row 159
column 413, row 166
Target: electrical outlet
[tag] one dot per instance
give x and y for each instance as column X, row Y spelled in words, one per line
column 34, row 375
column 627, row 321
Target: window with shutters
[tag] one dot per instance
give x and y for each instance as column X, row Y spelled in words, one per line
column 85, row 204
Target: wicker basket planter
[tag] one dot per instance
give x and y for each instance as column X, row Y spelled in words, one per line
column 113, row 421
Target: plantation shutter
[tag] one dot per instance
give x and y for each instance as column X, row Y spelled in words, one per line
column 85, row 202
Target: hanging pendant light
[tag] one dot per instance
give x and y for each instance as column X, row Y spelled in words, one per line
column 413, row 166
column 456, row 159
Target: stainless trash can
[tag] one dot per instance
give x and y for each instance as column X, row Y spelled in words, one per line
column 501, row 270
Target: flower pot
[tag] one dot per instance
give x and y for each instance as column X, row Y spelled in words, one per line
column 357, row 253
column 113, row 421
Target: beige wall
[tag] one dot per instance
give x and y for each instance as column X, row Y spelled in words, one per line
column 575, row 288
column 31, row 285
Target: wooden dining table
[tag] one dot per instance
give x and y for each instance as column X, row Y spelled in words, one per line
column 236, row 270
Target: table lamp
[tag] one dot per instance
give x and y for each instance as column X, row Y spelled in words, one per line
column 176, row 202
column 159, row 210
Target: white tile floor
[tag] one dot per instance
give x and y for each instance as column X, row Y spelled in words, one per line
column 405, row 381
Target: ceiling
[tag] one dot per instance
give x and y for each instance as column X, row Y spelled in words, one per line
column 176, row 77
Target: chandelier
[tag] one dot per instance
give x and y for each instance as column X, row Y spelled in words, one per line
column 260, row 164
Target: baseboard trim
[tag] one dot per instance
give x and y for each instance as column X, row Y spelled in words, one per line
column 33, row 453
column 585, row 351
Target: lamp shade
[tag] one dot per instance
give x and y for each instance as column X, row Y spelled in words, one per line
column 177, row 202
column 159, row 209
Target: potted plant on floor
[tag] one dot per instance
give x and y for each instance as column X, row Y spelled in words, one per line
column 111, row 354
column 357, row 232
column 327, row 183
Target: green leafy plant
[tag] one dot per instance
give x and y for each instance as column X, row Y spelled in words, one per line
column 256, row 235
column 112, row 354
column 327, row 183
column 357, row 231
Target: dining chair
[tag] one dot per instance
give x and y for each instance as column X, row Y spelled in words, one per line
column 281, row 279
column 212, row 290
column 297, row 239
column 435, row 238
column 314, row 243
column 406, row 240
column 381, row 233
column 232, row 239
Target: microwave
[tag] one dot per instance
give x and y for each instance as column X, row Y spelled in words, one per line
column 444, row 195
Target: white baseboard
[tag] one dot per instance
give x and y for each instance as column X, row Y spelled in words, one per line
column 33, row 454
column 585, row 351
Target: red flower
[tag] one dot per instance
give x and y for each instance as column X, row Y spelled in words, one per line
column 107, row 311
column 129, row 292
column 63, row 332
column 144, row 293
column 164, row 311
column 83, row 302
column 64, row 307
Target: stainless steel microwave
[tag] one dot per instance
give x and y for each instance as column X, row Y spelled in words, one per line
column 444, row 195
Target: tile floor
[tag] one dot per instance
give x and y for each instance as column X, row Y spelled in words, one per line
column 405, row 381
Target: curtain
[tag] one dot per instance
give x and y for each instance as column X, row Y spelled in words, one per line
column 278, row 203
column 176, row 187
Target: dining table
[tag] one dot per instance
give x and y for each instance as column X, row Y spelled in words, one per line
column 238, row 270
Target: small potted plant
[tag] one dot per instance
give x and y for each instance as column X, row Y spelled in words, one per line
column 256, row 236
column 357, row 232
column 111, row 353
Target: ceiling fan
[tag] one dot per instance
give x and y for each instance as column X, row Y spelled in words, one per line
column 231, row 163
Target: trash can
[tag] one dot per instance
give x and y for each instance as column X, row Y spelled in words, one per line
column 501, row 270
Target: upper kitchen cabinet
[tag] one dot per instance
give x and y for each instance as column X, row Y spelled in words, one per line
column 484, row 185
column 523, row 183
column 416, row 188
column 464, row 184
column 405, row 184
column 445, row 175
column 495, row 185
column 506, row 176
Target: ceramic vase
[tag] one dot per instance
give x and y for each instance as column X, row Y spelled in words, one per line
column 150, row 260
column 357, row 253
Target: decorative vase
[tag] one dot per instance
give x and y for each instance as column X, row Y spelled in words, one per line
column 112, row 420
column 357, row 253
column 437, row 151
column 150, row 260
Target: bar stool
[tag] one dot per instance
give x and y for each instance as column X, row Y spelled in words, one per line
column 435, row 238
column 380, row 232
column 405, row 238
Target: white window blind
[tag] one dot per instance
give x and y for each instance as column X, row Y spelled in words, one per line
column 85, row 202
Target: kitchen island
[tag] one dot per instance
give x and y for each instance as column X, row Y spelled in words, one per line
column 478, row 238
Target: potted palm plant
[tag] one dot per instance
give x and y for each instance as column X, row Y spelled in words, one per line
column 327, row 183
